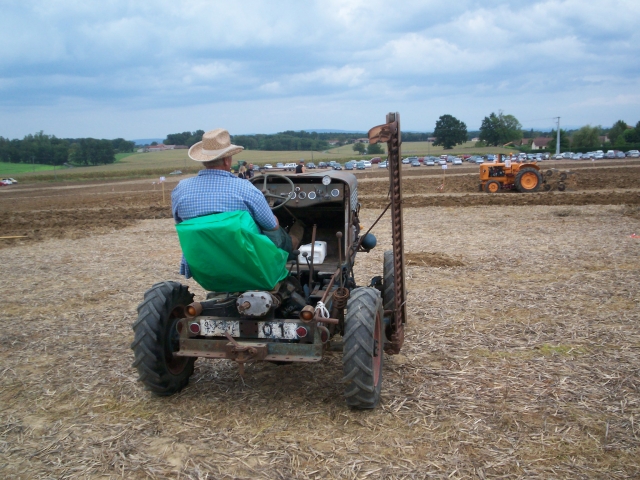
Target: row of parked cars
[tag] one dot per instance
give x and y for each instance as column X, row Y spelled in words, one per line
column 7, row 181
column 597, row 155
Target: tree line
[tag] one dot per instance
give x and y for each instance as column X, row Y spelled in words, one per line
column 50, row 150
column 288, row 140
column 501, row 129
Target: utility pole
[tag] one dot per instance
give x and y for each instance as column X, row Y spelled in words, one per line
column 558, row 138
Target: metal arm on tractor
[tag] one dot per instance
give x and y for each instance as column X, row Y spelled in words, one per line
column 390, row 133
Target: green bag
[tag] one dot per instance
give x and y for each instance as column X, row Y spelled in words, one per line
column 227, row 253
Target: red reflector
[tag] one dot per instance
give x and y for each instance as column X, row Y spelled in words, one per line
column 194, row 328
column 301, row 331
column 324, row 334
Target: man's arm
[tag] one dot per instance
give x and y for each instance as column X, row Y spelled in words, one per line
column 260, row 211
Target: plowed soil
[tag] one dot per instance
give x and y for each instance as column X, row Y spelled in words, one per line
column 521, row 355
column 36, row 212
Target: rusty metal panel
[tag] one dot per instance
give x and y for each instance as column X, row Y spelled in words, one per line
column 196, row 347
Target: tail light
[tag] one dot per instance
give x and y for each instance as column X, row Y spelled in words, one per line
column 302, row 332
column 194, row 328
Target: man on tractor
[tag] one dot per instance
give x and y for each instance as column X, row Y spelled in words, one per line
column 216, row 190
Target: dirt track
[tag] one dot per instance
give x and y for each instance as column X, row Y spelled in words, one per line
column 36, row 212
column 521, row 358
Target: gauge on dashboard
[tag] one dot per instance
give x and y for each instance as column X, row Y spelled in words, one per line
column 335, row 192
column 326, row 180
column 302, row 195
column 312, row 195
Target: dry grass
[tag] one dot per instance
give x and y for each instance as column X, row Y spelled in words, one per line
column 522, row 360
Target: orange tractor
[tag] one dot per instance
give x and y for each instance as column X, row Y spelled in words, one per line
column 507, row 175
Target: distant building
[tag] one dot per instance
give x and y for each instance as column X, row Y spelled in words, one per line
column 362, row 140
column 539, row 143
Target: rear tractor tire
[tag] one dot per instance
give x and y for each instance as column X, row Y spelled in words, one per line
column 156, row 338
column 492, row 186
column 528, row 180
column 363, row 355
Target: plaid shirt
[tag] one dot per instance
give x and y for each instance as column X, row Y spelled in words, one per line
column 217, row 191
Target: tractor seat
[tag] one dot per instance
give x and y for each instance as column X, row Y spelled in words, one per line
column 227, row 253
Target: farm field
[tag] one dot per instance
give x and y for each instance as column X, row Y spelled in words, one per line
column 162, row 163
column 522, row 356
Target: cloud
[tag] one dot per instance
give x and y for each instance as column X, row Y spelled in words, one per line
column 466, row 57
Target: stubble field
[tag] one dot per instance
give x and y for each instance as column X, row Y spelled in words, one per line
column 522, row 357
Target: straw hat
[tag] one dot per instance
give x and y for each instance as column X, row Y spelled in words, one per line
column 215, row 144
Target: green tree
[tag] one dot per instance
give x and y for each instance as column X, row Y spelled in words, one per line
column 375, row 149
column 618, row 129
column 632, row 135
column 586, row 137
column 500, row 129
column 359, row 147
column 564, row 141
column 449, row 131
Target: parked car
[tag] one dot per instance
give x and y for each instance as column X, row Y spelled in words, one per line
column 633, row 154
column 406, row 160
column 268, row 166
column 349, row 165
column 429, row 162
column 576, row 156
column 479, row 160
column 415, row 163
column 367, row 163
column 376, row 160
column 360, row 165
column 12, row 180
column 322, row 165
column 442, row 161
column 457, row 161
column 3, row 183
column 382, row 164
column 610, row 154
column 279, row 165
column 310, row 165
column 599, row 156
column 337, row 166
column 620, row 155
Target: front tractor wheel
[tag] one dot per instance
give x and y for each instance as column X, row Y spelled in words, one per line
column 528, row 180
column 492, row 186
column 156, row 339
column 363, row 348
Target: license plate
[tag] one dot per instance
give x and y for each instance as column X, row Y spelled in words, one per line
column 280, row 330
column 217, row 328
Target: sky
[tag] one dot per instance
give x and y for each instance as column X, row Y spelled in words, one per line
column 144, row 69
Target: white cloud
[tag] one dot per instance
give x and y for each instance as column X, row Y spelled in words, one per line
column 467, row 58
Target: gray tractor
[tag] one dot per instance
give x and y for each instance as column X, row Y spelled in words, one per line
column 315, row 308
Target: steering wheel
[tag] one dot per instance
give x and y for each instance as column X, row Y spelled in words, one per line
column 271, row 196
